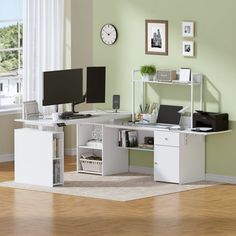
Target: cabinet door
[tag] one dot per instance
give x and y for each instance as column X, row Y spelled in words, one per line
column 166, row 164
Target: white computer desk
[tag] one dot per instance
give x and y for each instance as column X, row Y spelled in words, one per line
column 179, row 155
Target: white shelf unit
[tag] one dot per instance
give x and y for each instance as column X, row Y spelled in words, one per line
column 84, row 134
column 192, row 83
column 113, row 161
column 39, row 157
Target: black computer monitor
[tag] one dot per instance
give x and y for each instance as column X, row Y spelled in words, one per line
column 169, row 114
column 63, row 86
column 96, row 84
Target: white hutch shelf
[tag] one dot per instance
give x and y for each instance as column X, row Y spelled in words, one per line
column 191, row 84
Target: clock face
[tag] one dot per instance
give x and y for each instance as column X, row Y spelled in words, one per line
column 109, row 34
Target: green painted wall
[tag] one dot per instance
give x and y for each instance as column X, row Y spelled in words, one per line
column 215, row 58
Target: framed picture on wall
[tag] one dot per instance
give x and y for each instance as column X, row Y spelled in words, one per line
column 188, row 29
column 156, row 37
column 188, row 48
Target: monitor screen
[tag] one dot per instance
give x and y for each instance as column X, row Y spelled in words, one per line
column 63, row 86
column 96, row 84
column 169, row 114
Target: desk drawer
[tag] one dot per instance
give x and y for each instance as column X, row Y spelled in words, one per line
column 166, row 138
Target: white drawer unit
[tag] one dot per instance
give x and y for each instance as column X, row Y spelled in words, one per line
column 178, row 157
column 166, row 138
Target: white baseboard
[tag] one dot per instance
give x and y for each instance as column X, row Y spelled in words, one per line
column 70, row 151
column 221, row 178
column 141, row 169
column 6, row 157
column 209, row 177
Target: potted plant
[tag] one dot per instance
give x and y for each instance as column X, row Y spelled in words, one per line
column 148, row 72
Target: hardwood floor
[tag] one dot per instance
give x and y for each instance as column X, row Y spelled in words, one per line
column 208, row 211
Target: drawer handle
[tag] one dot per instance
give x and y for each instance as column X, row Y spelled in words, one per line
column 166, row 139
column 155, row 163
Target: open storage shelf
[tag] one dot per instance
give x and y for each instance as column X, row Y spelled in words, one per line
column 199, row 82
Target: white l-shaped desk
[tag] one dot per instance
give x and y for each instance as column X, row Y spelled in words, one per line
column 179, row 155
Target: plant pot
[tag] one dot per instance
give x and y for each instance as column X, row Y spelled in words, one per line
column 147, row 77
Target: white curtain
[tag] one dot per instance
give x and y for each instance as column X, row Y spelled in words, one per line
column 43, row 22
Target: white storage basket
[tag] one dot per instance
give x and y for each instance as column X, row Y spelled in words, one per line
column 91, row 165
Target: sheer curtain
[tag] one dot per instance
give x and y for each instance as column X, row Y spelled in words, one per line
column 42, row 44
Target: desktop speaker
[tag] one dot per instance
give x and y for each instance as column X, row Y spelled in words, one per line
column 116, row 102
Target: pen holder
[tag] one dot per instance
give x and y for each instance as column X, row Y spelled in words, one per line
column 151, row 118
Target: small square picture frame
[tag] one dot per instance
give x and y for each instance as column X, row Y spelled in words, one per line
column 188, row 29
column 188, row 48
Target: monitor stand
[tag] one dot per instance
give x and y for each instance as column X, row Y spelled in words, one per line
column 73, row 107
column 70, row 113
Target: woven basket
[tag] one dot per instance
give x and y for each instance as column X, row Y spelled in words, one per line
column 91, row 165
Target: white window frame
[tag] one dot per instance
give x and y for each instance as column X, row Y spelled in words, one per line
column 19, row 49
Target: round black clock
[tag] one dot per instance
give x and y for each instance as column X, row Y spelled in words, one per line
column 108, row 34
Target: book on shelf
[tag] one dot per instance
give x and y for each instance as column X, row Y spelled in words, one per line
column 133, row 138
column 119, row 138
column 124, row 138
column 56, row 172
column 56, row 148
column 127, row 138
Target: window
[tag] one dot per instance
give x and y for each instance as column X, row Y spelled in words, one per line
column 11, row 42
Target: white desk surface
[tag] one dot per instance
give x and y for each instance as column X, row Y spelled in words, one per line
column 125, row 125
column 97, row 116
column 108, row 118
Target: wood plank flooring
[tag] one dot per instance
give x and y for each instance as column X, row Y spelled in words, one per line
column 208, row 211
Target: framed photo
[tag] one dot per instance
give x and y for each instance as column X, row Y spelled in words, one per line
column 188, row 29
column 188, row 49
column 185, row 74
column 156, row 37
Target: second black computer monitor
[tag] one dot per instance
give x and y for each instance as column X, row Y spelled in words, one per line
column 96, row 84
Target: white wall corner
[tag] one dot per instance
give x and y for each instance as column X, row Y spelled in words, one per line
column 221, row 178
column 6, row 157
column 70, row 151
column 141, row 169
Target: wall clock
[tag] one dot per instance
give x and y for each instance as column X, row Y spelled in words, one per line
column 108, row 34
